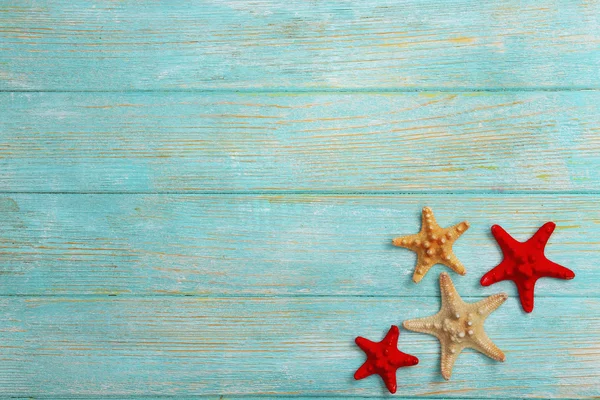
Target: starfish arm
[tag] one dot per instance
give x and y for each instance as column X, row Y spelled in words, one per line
column 488, row 305
column 391, row 339
column 454, row 264
column 484, row 345
column 404, row 360
column 448, row 358
column 423, row 325
column 390, row 381
column 408, row 242
column 450, row 297
column 555, row 270
column 505, row 241
column 364, row 371
column 458, row 229
column 421, row 269
column 428, row 222
column 526, row 290
column 366, row 345
column 496, row 274
column 543, row 234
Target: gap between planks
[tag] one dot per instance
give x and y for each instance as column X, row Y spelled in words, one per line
column 317, row 193
column 325, row 90
column 261, row 397
column 258, row 296
column 253, row 397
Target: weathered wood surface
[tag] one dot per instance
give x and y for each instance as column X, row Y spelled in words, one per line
column 132, row 44
column 275, row 245
column 182, row 142
column 281, row 346
column 258, row 157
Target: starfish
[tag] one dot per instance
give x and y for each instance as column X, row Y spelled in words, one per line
column 459, row 325
column 384, row 358
column 525, row 262
column 433, row 245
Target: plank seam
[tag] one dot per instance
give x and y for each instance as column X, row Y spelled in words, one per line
column 316, row 193
column 266, row 296
column 374, row 90
column 261, row 396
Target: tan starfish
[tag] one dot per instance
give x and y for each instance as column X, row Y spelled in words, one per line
column 459, row 325
column 433, row 245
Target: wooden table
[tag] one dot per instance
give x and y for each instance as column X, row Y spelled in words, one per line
column 198, row 197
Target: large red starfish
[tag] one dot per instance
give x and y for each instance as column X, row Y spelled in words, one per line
column 384, row 358
column 524, row 263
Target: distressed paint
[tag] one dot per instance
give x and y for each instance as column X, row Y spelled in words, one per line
column 265, row 44
column 230, row 151
column 101, row 346
column 293, row 245
column 182, row 142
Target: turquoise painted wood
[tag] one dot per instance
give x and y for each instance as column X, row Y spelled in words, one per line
column 189, row 142
column 198, row 198
column 281, row 346
column 266, row 44
column 291, row 245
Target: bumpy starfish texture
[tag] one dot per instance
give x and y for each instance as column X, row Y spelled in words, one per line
column 384, row 358
column 524, row 263
column 433, row 245
column 459, row 325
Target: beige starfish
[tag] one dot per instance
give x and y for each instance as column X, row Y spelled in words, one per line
column 433, row 245
column 459, row 325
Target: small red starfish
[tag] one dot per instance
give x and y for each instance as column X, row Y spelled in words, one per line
column 524, row 263
column 384, row 358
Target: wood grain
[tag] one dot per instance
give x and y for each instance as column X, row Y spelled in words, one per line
column 250, row 245
column 197, row 198
column 181, row 142
column 266, row 44
column 281, row 346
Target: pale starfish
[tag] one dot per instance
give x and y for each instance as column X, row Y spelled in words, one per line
column 433, row 245
column 459, row 325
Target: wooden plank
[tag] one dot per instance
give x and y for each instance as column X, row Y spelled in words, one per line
column 223, row 397
column 158, row 142
column 99, row 45
column 275, row 245
column 281, row 346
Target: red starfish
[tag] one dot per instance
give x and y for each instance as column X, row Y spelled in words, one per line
column 524, row 263
column 384, row 358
